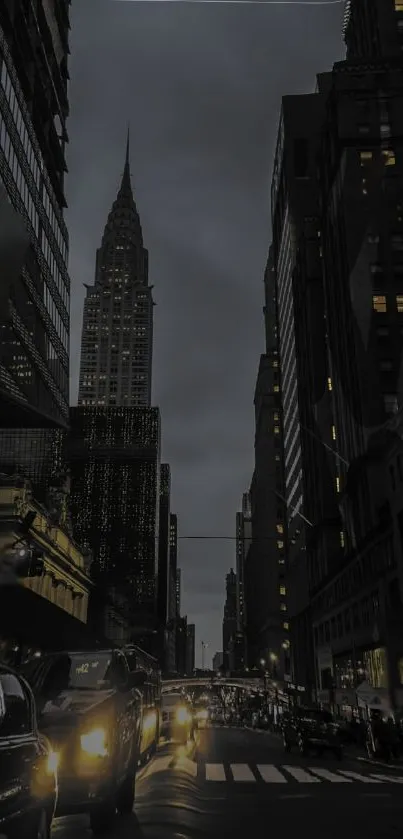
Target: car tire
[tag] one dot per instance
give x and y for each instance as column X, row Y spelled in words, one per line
column 126, row 795
column 102, row 817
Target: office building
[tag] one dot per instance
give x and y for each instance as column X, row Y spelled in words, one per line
column 117, row 339
column 163, row 559
column 229, row 624
column 114, row 459
column 35, row 287
column 190, row 648
column 264, row 568
column 337, row 244
column 217, row 661
column 243, row 542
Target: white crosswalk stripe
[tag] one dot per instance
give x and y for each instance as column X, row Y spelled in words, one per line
column 242, row 772
column 267, row 773
column 329, row 776
column 215, row 772
column 365, row 779
column 270, row 774
column 301, row 775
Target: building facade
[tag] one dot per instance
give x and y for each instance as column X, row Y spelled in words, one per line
column 190, row 648
column 58, row 596
column 243, row 542
column 34, row 320
column 264, row 570
column 117, row 339
column 163, row 562
column 229, row 624
column 114, row 460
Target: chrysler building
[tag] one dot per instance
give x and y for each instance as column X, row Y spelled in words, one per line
column 117, row 337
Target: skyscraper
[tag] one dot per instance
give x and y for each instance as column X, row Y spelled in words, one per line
column 243, row 541
column 229, row 621
column 35, row 287
column 117, row 339
column 114, row 445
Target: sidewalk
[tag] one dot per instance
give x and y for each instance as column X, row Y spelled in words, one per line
column 351, row 750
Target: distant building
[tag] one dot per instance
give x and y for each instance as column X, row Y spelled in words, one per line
column 229, row 625
column 218, row 659
column 173, row 613
column 181, row 646
column 34, row 311
column 178, row 591
column 190, row 648
column 163, row 559
column 243, row 542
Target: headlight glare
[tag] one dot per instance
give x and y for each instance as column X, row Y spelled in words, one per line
column 94, row 743
column 182, row 715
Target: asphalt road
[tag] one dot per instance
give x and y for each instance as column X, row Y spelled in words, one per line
column 241, row 784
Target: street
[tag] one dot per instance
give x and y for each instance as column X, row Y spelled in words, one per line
column 239, row 783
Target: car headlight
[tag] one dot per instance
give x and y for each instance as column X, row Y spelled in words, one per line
column 94, row 743
column 182, row 715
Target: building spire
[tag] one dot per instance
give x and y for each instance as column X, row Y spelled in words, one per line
column 127, row 160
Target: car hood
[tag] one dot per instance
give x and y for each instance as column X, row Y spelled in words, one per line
column 72, row 704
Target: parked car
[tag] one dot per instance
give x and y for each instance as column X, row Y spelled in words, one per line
column 27, row 764
column 311, row 729
column 177, row 721
column 90, row 709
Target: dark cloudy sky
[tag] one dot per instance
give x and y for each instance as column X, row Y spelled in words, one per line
column 202, row 89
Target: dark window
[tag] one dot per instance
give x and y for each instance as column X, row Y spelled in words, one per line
column 301, row 158
column 17, row 710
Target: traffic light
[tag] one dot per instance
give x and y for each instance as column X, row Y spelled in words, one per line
column 37, row 564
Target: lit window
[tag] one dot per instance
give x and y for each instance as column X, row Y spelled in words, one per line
column 375, row 268
column 276, row 388
column 286, row 625
column 365, row 157
column 338, row 484
column 329, row 384
column 379, row 303
column 280, row 528
column 398, row 5
column 276, row 429
column 276, row 417
column 342, row 538
column 282, row 591
column 397, row 241
column 283, row 607
column 363, row 129
column 399, row 302
column 385, row 129
column 373, row 238
column 277, row 458
column 333, row 432
column 274, row 363
column 389, row 157
column 280, row 545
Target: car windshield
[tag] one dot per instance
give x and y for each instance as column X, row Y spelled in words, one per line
column 78, row 671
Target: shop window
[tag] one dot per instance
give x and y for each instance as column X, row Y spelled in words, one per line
column 365, row 157
column 333, row 432
column 399, row 303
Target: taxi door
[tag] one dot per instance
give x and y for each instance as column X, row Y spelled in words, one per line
column 128, row 715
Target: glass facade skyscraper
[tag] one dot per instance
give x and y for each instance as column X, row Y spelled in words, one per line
column 34, row 322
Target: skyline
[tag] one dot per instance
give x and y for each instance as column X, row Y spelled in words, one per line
column 201, row 177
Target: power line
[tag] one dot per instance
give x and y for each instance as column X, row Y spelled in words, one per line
column 244, row 2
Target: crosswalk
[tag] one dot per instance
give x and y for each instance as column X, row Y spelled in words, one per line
column 267, row 773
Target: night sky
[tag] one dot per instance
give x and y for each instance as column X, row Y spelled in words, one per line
column 202, row 90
